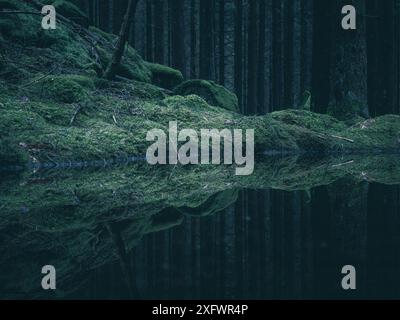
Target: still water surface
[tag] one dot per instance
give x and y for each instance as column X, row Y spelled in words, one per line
column 143, row 233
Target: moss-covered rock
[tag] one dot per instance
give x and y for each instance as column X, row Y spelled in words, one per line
column 165, row 77
column 65, row 88
column 213, row 93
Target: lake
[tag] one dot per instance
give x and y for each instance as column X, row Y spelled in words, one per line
column 140, row 232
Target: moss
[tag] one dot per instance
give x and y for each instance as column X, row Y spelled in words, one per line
column 22, row 29
column 164, row 76
column 214, row 204
column 8, row 4
column 13, row 73
column 309, row 120
column 116, row 123
column 65, row 88
column 45, row 210
column 107, row 36
column 69, row 10
column 9, row 154
column 132, row 66
column 349, row 112
column 36, row 108
column 213, row 93
column 130, row 90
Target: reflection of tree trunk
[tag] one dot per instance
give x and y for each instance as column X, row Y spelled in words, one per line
column 307, row 245
column 123, row 259
column 383, row 241
column 229, row 253
column 348, row 202
column 324, row 270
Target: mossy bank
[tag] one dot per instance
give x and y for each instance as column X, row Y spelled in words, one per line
column 55, row 106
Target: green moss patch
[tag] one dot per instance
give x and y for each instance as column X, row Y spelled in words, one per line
column 213, row 93
column 164, row 76
column 65, row 88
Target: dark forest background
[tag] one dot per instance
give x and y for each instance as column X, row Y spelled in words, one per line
column 269, row 52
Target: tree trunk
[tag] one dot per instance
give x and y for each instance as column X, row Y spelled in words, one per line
column 252, row 48
column 206, row 39
column 239, row 51
column 177, row 35
column 321, row 54
column 383, row 56
column 149, row 31
column 159, row 31
column 122, row 40
column 277, row 55
column 348, row 92
column 221, row 42
column 261, row 59
column 193, row 39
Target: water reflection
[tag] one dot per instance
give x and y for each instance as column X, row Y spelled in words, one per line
column 141, row 232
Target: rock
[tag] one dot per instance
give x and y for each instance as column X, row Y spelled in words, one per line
column 211, row 92
column 165, row 77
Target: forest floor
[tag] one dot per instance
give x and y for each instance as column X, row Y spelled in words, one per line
column 55, row 106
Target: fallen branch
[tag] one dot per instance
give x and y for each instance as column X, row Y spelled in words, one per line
column 77, row 110
column 342, row 138
column 21, row 12
column 342, row 164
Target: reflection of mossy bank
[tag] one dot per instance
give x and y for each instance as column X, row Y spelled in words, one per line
column 55, row 106
column 79, row 220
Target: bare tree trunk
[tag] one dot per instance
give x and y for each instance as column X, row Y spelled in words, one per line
column 149, row 31
column 159, row 31
column 206, row 38
column 193, row 39
column 122, row 40
column 261, row 59
column 239, row 51
column 177, row 35
column 221, row 41
column 252, row 49
column 348, row 96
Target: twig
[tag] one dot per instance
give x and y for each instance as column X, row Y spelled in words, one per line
column 342, row 138
column 77, row 110
column 342, row 164
column 37, row 80
column 21, row 12
column 320, row 136
column 114, row 118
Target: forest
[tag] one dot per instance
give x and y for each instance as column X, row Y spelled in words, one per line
column 270, row 52
column 76, row 103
